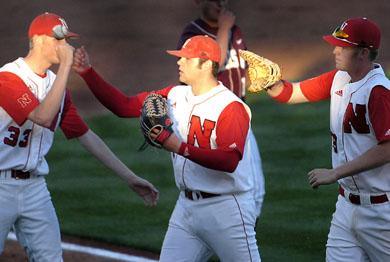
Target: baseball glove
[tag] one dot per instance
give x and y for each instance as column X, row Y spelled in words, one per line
column 263, row 73
column 154, row 116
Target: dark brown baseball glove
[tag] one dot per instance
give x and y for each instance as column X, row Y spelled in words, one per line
column 155, row 120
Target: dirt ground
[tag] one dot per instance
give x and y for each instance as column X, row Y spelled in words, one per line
column 14, row 252
column 127, row 39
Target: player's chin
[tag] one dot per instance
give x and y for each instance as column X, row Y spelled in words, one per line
column 339, row 66
column 182, row 78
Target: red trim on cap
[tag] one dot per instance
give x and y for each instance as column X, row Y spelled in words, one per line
column 337, row 42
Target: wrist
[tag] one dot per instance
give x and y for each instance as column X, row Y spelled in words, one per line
column 172, row 143
column 285, row 94
column 223, row 28
column 182, row 149
column 64, row 68
column 338, row 174
column 85, row 71
column 131, row 178
column 176, row 147
column 68, row 61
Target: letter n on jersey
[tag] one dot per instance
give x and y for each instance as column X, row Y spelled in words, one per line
column 201, row 133
column 356, row 119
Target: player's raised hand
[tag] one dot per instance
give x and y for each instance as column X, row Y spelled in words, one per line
column 65, row 53
column 144, row 189
column 226, row 19
column 321, row 176
column 81, row 60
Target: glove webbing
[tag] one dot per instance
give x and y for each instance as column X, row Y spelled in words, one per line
column 155, row 107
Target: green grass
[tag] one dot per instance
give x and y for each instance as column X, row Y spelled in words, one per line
column 92, row 202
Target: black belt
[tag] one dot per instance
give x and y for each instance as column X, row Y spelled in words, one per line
column 19, row 174
column 200, row 194
column 355, row 199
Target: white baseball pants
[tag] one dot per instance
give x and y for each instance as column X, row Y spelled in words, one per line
column 359, row 232
column 26, row 205
column 222, row 225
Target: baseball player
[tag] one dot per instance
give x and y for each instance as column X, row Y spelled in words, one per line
column 218, row 22
column 216, row 210
column 359, row 95
column 33, row 104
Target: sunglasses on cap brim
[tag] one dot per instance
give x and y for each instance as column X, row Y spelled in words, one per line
column 61, row 32
column 342, row 36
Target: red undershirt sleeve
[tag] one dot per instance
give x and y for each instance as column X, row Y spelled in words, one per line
column 318, row 88
column 379, row 112
column 115, row 100
column 72, row 125
column 231, row 132
column 16, row 98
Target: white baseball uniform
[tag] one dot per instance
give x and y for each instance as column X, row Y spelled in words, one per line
column 216, row 210
column 232, row 75
column 25, row 201
column 359, row 120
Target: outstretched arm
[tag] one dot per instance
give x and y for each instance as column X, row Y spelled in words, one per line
column 73, row 126
column 111, row 97
column 286, row 92
column 310, row 90
column 99, row 149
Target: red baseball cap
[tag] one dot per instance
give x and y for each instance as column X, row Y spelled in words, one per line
column 356, row 32
column 200, row 46
column 51, row 25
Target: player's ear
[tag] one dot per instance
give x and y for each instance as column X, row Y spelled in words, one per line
column 362, row 53
column 208, row 65
column 365, row 53
column 35, row 41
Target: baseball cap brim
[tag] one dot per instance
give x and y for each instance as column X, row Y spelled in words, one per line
column 337, row 42
column 180, row 53
column 72, row 35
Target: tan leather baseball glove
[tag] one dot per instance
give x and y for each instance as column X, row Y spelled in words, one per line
column 263, row 73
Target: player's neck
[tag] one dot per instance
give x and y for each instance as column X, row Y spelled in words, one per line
column 360, row 72
column 203, row 85
column 37, row 63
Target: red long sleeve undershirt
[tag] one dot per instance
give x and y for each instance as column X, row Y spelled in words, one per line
column 218, row 159
column 114, row 99
column 231, row 132
column 319, row 87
